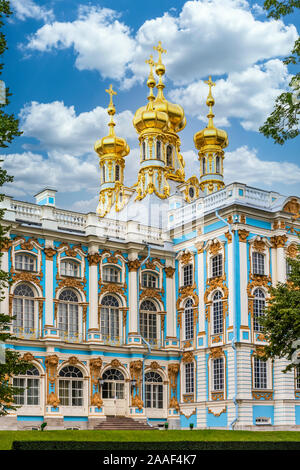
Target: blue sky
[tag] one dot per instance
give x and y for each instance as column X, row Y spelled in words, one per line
column 63, row 54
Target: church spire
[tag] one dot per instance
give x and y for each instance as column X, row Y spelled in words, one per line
column 210, row 142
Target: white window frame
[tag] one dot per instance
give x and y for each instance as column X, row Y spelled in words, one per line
column 25, row 264
column 189, row 378
column 150, row 283
column 115, row 273
column 188, row 274
column 70, row 272
column 258, row 263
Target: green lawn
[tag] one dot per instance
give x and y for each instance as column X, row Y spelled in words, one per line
column 7, row 437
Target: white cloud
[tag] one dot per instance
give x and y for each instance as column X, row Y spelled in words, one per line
column 24, row 9
column 248, row 95
column 100, row 41
column 58, row 128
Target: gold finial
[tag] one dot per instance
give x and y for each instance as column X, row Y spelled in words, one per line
column 151, row 63
column 111, row 107
column 210, row 102
column 160, row 51
column 151, row 80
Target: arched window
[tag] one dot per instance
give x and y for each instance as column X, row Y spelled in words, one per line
column 153, row 390
column 23, row 310
column 117, row 173
column 218, row 374
column 68, row 322
column 111, row 274
column 217, row 164
column 148, row 321
column 113, row 384
column 217, row 266
column 109, row 320
column 70, row 389
column 217, row 313
column 258, row 261
column 29, row 387
column 204, row 166
column 25, row 262
column 191, row 192
column 259, row 304
column 158, row 149
column 169, row 155
column 189, row 319
column 70, row 268
column 188, row 275
column 149, row 280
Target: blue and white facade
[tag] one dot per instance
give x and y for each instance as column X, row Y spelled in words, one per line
column 166, row 318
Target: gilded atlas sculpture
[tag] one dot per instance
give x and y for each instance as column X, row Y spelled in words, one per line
column 157, row 124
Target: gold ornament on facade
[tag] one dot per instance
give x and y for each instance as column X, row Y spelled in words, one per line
column 134, row 265
column 293, row 207
column 262, row 395
column 292, row 251
column 243, row 234
column 51, row 363
column 93, row 259
column 5, row 244
column 216, row 352
column 136, row 368
column 186, row 258
column 169, row 272
column 115, row 363
column 28, row 357
column 53, row 400
column 215, row 247
column 259, row 245
column 96, row 400
column 187, row 356
column 73, row 360
column 217, row 413
column 228, row 236
column 278, row 241
column 95, row 369
column 49, row 252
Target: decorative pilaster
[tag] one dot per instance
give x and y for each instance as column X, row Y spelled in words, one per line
column 93, row 260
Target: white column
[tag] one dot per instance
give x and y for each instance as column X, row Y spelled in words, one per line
column 133, row 300
column 170, row 301
column 281, row 265
column 201, row 291
column 93, row 259
column 243, row 282
column 49, row 310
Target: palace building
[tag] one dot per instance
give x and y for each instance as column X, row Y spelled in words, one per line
column 149, row 307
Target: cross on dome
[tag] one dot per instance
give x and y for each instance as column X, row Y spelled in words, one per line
column 160, row 51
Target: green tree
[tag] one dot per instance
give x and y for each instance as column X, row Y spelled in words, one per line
column 283, row 122
column 13, row 364
column 281, row 322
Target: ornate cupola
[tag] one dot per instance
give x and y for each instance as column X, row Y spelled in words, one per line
column 151, row 124
column 111, row 150
column 210, row 142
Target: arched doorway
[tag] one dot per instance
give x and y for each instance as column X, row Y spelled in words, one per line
column 114, row 392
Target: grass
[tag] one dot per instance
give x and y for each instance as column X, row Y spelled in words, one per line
column 7, row 437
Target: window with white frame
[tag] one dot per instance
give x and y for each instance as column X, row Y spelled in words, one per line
column 189, row 377
column 189, row 319
column 188, row 275
column 260, row 374
column 70, row 268
column 218, row 374
column 25, row 262
column 110, row 318
column 297, row 372
column 217, row 313
column 149, row 280
column 113, row 384
column 70, row 386
column 23, row 310
column 153, row 390
column 258, row 263
column 111, row 274
column 68, row 321
column 29, row 388
column 259, row 304
column 148, row 321
column 217, row 266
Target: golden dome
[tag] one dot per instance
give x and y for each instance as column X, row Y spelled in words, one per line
column 210, row 136
column 147, row 117
column 111, row 144
column 159, row 113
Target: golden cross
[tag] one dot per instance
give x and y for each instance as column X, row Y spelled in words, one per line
column 111, row 92
column 150, row 62
column 160, row 50
column 210, row 83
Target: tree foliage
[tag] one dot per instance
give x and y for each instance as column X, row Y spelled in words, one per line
column 281, row 322
column 13, row 364
column 283, row 122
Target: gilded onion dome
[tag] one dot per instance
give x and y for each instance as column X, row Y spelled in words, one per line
column 111, row 150
column 210, row 142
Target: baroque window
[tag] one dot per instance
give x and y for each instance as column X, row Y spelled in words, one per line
column 218, row 374
column 189, row 319
column 109, row 321
column 217, row 266
column 260, row 374
column 169, row 156
column 25, row 262
column 189, row 377
column 153, row 390
column 113, row 384
column 70, row 268
column 23, row 310
column 217, row 164
column 217, row 326
column 29, row 387
column 188, row 277
column 68, row 321
column 258, row 262
column 258, row 309
column 70, row 386
column 111, row 274
column 117, row 173
column 149, row 280
column 158, row 150
column 148, row 321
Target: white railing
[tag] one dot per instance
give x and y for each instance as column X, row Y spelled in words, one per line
column 26, row 211
column 70, row 219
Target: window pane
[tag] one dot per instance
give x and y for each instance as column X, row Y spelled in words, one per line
column 218, row 374
column 258, row 260
column 189, row 377
column 260, row 374
column 188, row 275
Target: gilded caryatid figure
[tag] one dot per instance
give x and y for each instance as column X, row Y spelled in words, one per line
column 112, row 150
column 210, row 142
